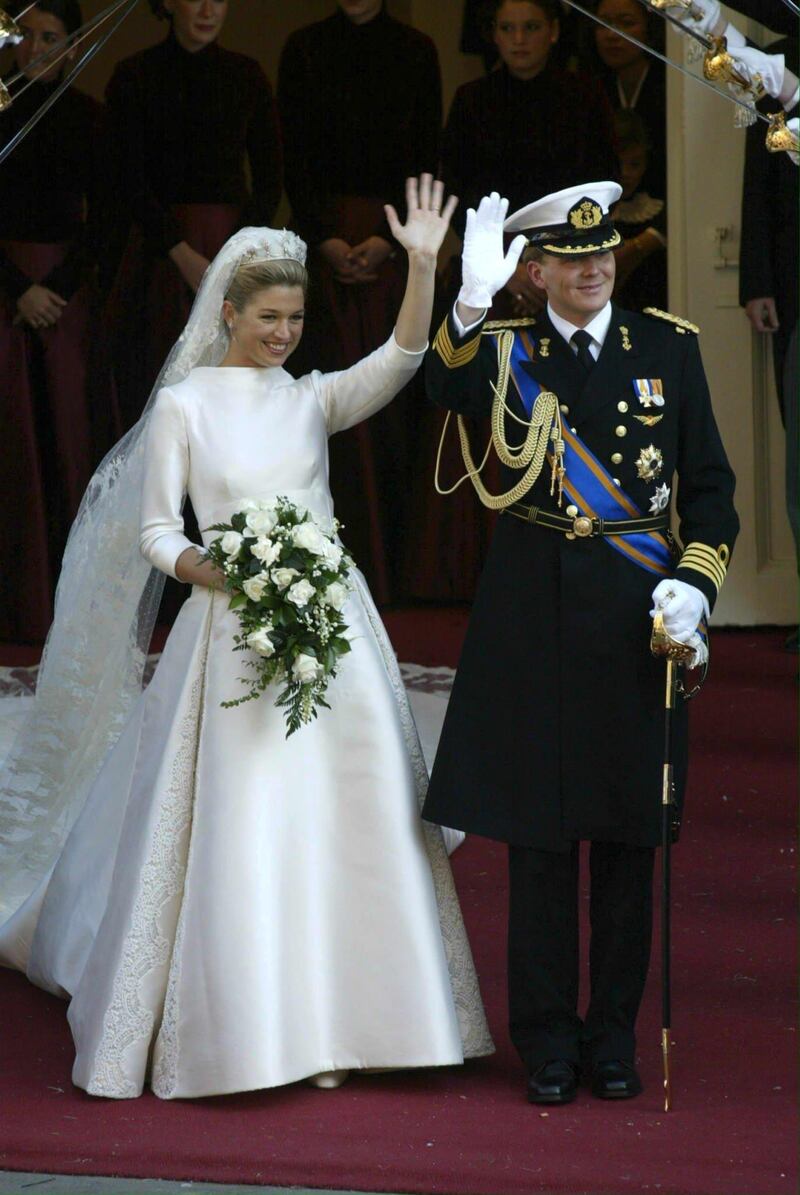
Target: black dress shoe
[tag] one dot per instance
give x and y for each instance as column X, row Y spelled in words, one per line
column 615, row 1080
column 554, row 1082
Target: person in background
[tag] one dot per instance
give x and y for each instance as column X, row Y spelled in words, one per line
column 186, row 118
column 769, row 265
column 360, row 102
column 46, row 267
column 527, row 128
column 641, row 220
column 634, row 79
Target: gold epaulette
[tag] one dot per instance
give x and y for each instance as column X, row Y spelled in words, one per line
column 497, row 325
column 451, row 356
column 711, row 563
column 681, row 325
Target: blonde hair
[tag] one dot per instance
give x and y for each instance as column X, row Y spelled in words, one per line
column 255, row 276
column 532, row 253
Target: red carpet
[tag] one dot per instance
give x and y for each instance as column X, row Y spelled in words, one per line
column 469, row 1131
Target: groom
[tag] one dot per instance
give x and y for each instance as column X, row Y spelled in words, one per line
column 554, row 731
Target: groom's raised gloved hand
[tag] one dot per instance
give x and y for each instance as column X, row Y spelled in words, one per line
column 485, row 267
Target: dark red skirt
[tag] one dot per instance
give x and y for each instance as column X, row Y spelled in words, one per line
column 47, row 456
column 149, row 304
column 449, row 534
column 371, row 464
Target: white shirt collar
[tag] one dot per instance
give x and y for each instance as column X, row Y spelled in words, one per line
column 597, row 327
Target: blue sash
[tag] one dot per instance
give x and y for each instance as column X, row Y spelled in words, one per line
column 589, row 485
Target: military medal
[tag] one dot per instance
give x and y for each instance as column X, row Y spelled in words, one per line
column 649, row 391
column 660, row 499
column 649, row 463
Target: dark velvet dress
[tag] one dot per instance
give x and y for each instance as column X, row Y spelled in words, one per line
column 47, row 452
column 361, row 111
column 524, row 139
column 181, row 129
column 646, row 285
column 651, row 106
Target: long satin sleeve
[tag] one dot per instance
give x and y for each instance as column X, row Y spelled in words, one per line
column 353, row 394
column 166, row 476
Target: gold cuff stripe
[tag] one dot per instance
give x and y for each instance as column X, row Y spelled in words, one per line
column 703, row 559
column 712, row 567
column 708, row 554
column 453, row 357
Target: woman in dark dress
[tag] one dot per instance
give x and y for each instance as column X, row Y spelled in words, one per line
column 185, row 117
column 45, row 292
column 360, row 103
column 526, row 129
column 634, row 79
column 641, row 219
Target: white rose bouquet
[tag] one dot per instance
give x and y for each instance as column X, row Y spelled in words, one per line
column 289, row 581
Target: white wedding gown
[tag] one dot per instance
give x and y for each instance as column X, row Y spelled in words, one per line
column 234, row 910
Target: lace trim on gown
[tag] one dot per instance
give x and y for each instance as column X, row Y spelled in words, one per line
column 127, row 1021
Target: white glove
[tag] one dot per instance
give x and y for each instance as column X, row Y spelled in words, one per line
column 484, row 268
column 710, row 11
column 793, row 126
column 771, row 67
column 683, row 607
column 734, row 39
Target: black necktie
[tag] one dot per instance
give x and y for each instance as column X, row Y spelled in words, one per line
column 581, row 339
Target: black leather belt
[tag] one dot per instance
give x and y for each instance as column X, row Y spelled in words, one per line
column 583, row 526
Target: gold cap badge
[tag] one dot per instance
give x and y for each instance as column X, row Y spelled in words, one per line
column 585, row 214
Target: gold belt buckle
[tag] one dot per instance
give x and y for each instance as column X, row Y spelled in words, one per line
column 582, row 526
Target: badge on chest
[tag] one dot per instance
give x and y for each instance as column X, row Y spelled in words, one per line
column 649, row 391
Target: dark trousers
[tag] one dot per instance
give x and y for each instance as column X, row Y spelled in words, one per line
column 543, row 952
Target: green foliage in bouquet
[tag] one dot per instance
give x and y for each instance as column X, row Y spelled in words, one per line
column 288, row 580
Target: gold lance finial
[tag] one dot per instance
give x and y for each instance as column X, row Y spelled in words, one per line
column 693, row 11
column 9, row 29
column 779, row 138
column 719, row 66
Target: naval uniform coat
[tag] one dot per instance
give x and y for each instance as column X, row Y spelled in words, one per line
column 554, row 730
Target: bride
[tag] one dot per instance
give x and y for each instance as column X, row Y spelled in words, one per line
column 229, row 909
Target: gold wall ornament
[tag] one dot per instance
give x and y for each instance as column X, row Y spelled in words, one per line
column 585, row 214
column 626, row 343
column 5, row 97
column 649, row 463
column 779, row 138
column 544, row 346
